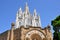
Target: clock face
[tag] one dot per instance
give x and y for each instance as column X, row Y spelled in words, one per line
column 35, row 34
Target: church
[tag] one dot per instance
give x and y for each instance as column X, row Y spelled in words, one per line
column 27, row 27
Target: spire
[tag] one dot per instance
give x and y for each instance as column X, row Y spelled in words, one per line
column 26, row 4
column 35, row 12
column 26, row 8
column 20, row 9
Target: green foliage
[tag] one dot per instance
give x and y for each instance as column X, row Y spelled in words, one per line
column 56, row 26
column 59, row 35
column 56, row 36
column 56, row 22
column 57, row 18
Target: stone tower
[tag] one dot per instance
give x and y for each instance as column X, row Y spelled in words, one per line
column 26, row 19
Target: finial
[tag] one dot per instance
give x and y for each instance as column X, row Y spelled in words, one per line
column 26, row 5
column 12, row 25
column 20, row 10
column 34, row 10
column 48, row 26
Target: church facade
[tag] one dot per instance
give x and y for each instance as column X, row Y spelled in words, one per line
column 27, row 27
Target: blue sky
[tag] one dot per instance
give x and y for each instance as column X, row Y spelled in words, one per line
column 47, row 9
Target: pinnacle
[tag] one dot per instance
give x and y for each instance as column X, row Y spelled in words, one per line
column 20, row 9
column 35, row 12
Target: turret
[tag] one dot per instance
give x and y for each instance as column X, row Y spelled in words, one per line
column 12, row 29
column 19, row 18
column 36, row 19
column 20, row 11
column 12, row 25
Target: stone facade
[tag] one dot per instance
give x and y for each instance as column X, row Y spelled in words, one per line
column 3, row 36
column 31, row 33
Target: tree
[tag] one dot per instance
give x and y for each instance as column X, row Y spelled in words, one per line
column 56, row 23
column 56, row 27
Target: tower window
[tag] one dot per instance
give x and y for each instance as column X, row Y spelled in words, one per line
column 31, row 21
column 20, row 17
column 36, row 19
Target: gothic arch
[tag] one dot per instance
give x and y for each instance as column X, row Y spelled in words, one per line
column 36, row 30
column 28, row 34
column 35, row 37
